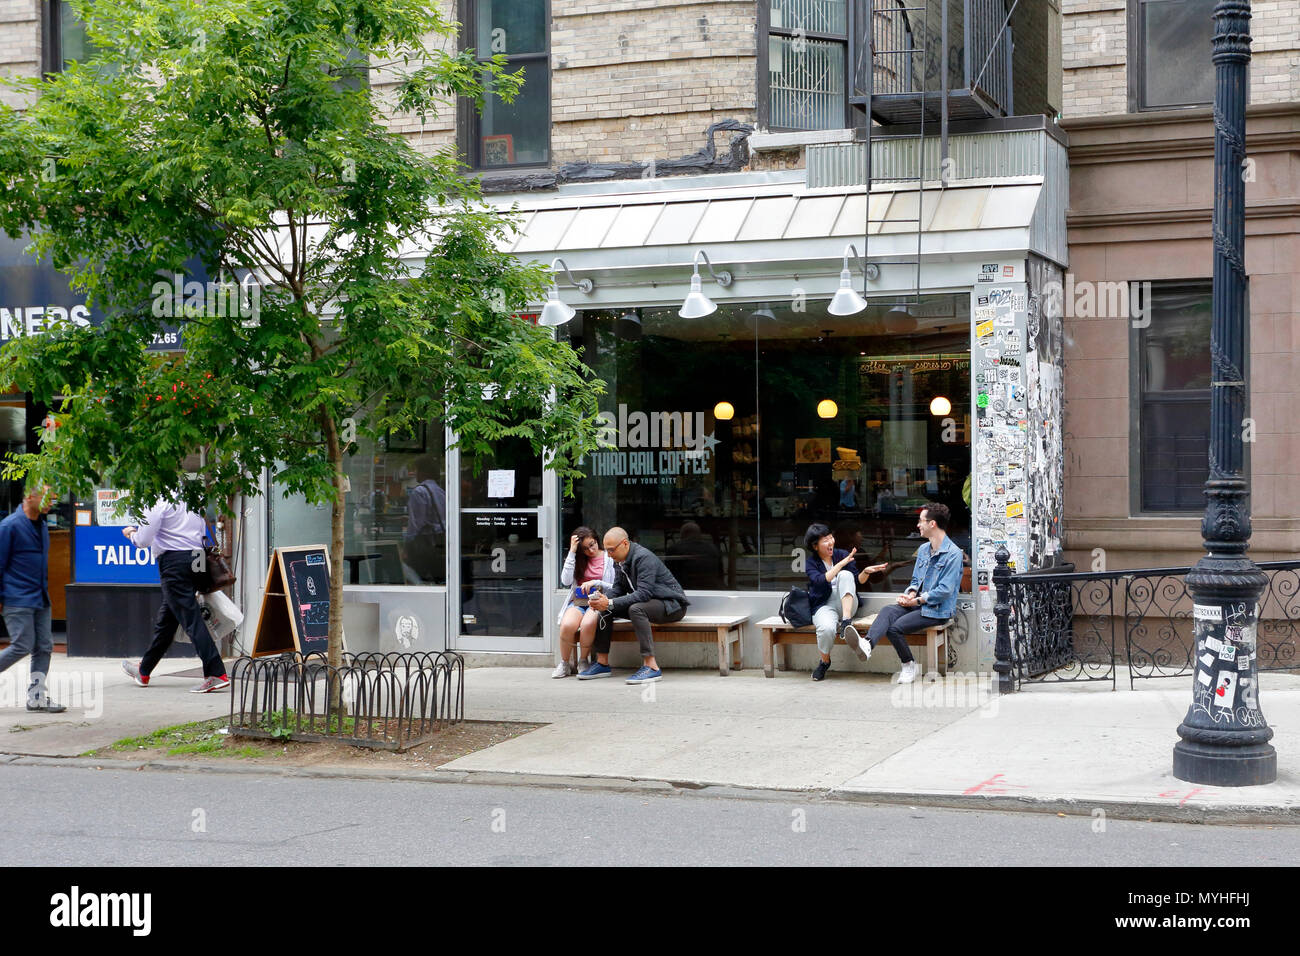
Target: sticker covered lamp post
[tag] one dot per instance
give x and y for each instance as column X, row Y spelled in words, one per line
column 1224, row 735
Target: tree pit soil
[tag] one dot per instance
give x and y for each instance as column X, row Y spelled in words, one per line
column 203, row 742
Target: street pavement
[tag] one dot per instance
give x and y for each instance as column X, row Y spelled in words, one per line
column 199, row 819
column 1077, row 749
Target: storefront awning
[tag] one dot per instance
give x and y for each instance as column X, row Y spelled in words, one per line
column 772, row 229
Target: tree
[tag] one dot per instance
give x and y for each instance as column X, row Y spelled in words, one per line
column 241, row 133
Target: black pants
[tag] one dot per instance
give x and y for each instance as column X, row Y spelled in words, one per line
column 179, row 582
column 894, row 622
column 642, row 616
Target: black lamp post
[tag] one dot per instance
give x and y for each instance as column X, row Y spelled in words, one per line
column 1224, row 735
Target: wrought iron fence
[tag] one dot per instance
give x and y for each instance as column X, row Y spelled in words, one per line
column 1062, row 625
column 386, row 701
column 1068, row 626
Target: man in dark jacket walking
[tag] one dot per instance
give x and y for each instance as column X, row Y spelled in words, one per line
column 25, row 593
column 644, row 592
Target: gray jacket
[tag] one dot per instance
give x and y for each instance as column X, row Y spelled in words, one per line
column 643, row 577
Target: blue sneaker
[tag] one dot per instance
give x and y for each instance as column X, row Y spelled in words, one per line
column 596, row 670
column 645, row 675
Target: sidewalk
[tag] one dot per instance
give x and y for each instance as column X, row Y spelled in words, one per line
column 1064, row 748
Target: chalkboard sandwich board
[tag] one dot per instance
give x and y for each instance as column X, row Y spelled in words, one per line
column 295, row 612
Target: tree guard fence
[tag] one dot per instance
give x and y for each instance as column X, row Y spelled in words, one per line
column 386, row 701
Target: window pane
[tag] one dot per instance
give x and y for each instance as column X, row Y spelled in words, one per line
column 1176, row 64
column 1175, row 455
column 395, row 530
column 1176, row 345
column 394, row 522
column 806, row 83
column 509, row 477
column 681, row 482
column 72, row 35
column 880, row 455
column 1175, row 416
column 811, row 16
column 517, row 134
column 510, row 26
column 727, row 500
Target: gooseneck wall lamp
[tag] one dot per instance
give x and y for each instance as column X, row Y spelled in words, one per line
column 697, row 304
column 847, row 301
column 555, row 311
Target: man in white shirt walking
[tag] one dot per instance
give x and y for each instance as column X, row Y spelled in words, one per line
column 175, row 535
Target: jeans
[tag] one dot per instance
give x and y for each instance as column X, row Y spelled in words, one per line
column 641, row 615
column 179, row 582
column 894, row 622
column 827, row 617
column 29, row 633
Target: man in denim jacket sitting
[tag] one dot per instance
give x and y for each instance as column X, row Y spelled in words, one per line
column 931, row 598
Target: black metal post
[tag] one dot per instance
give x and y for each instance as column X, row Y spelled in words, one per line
column 1003, row 664
column 1224, row 736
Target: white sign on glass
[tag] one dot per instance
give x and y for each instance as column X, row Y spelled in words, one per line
column 501, row 484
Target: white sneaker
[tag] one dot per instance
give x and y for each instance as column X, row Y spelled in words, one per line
column 908, row 674
column 561, row 670
column 861, row 646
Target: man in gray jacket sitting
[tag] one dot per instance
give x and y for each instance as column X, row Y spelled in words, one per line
column 644, row 592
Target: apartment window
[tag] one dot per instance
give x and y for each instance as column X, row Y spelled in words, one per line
column 518, row 133
column 1169, row 53
column 64, row 36
column 1173, row 390
column 806, row 54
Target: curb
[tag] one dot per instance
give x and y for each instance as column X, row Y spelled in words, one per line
column 1137, row 810
column 1114, row 808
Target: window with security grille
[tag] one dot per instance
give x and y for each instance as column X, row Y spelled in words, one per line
column 807, row 58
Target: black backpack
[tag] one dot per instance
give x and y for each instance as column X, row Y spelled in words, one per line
column 796, row 608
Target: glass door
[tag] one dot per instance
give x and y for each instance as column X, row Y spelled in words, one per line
column 502, row 576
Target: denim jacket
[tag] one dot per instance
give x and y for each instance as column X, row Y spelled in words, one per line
column 937, row 579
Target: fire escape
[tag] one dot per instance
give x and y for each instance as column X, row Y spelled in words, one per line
column 909, row 74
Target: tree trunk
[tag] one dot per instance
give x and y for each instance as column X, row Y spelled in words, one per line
column 334, row 656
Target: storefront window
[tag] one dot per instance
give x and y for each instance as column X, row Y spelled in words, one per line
column 396, row 516
column 731, row 434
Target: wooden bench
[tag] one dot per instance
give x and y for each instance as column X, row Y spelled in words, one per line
column 778, row 633
column 696, row 628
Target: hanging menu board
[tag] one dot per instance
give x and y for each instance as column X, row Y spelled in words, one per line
column 295, row 612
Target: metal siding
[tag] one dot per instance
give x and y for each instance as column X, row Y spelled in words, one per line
column 974, row 156
column 1047, row 229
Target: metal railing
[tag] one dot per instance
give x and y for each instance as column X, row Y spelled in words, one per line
column 386, row 701
column 1070, row 626
column 904, row 53
column 988, row 51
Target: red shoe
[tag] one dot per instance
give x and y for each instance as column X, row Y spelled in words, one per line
column 210, row 684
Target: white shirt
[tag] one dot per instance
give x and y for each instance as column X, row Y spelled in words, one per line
column 169, row 527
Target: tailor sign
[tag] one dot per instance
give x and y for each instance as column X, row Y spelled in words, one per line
column 105, row 556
